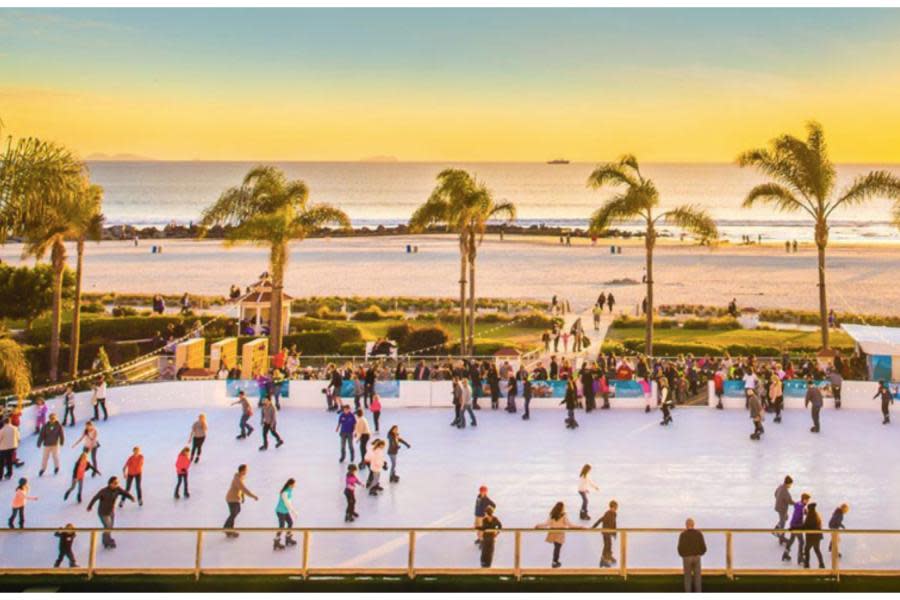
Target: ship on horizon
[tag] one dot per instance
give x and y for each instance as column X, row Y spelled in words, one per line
column 558, row 161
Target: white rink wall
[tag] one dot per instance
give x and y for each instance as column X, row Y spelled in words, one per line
column 855, row 395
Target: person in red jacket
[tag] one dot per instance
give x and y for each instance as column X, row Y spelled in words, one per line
column 133, row 470
column 182, row 464
column 81, row 466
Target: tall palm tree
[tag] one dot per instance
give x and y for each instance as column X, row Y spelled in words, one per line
column 639, row 200
column 87, row 225
column 482, row 209
column 451, row 204
column 14, row 368
column 803, row 179
column 268, row 210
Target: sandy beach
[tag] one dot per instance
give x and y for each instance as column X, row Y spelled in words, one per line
column 523, row 267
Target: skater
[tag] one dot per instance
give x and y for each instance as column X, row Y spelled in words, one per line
column 836, row 382
column 82, row 464
column 66, row 540
column 665, row 399
column 783, row 502
column 482, row 504
column 362, row 433
column 246, row 413
column 394, row 441
column 41, row 411
column 512, row 388
column 813, row 522
column 346, row 425
column 20, row 499
column 350, row 483
column 9, row 442
column 466, row 405
column 797, row 520
column 603, row 388
column 585, row 485
column 182, row 465
column 691, row 548
column 719, row 386
column 285, row 513
column 776, row 395
column 756, row 414
column 375, row 460
column 557, row 520
column 91, row 439
column 836, row 522
column 269, row 419
column 571, row 401
column 490, row 529
column 527, row 393
column 197, row 437
column 99, row 399
column 133, row 471
column 456, row 395
column 375, row 407
column 51, row 437
column 608, row 521
column 813, row 399
column 493, row 379
column 887, row 398
column 234, row 497
column 106, row 508
column 69, row 405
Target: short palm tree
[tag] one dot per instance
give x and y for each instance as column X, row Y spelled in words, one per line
column 639, row 200
column 803, row 179
column 86, row 225
column 269, row 210
column 14, row 368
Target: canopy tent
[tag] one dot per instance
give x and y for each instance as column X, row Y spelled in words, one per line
column 875, row 339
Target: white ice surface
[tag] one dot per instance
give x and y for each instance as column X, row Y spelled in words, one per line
column 703, row 466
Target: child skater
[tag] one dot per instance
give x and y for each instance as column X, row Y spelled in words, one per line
column 20, row 499
column 66, row 539
column 182, row 464
column 665, row 400
column 69, row 405
column 350, row 484
column 375, row 458
column 557, row 520
column 91, row 439
column 285, row 512
column 82, row 464
column 585, row 485
column 375, row 407
column 394, row 441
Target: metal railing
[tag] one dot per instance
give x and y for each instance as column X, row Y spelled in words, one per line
column 408, row 566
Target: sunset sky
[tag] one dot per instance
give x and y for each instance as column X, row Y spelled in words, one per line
column 465, row 84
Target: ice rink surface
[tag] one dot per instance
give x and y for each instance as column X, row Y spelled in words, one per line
column 703, row 465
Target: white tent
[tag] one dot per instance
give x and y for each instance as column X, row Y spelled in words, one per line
column 875, row 340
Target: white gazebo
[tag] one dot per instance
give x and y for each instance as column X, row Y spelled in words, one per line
column 256, row 306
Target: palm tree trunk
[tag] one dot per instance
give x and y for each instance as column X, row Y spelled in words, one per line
column 471, row 344
column 821, row 244
column 75, row 336
column 58, row 262
column 277, row 261
column 648, row 341
column 462, row 295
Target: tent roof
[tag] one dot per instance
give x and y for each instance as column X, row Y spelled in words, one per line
column 875, row 339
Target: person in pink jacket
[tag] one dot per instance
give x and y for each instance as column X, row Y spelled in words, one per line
column 41, row 411
column 182, row 464
column 18, row 504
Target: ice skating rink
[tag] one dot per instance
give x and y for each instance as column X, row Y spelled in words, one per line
column 704, row 466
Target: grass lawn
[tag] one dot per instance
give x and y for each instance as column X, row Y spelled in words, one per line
column 752, row 337
column 484, row 332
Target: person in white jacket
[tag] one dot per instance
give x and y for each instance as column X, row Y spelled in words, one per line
column 362, row 433
column 585, row 485
column 9, row 442
column 375, row 459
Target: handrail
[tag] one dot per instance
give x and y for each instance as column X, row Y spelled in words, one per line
column 411, row 569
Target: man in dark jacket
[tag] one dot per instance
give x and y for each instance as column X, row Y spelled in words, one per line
column 783, row 502
column 106, row 500
column 813, row 399
column 369, row 386
column 837, row 521
column 51, row 438
column 490, row 529
column 691, row 547
column 608, row 521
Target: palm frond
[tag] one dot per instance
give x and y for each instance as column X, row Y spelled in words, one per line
column 14, row 369
column 875, row 184
column 318, row 216
column 611, row 174
column 435, row 210
column 630, row 204
column 775, row 195
column 693, row 219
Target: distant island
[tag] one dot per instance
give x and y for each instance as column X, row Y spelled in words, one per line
column 558, row 161
column 100, row 157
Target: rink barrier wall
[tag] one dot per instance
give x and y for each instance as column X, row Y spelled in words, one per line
column 855, row 395
column 410, row 569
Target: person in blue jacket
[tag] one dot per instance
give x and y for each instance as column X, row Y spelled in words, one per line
column 345, row 426
column 482, row 502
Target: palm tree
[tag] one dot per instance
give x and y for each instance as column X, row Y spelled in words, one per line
column 87, row 225
column 482, row 209
column 639, row 200
column 14, row 368
column 453, row 203
column 268, row 210
column 803, row 179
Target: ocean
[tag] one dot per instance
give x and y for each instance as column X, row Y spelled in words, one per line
column 155, row 193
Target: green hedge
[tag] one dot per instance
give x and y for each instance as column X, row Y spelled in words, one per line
column 663, row 348
column 106, row 328
column 715, row 324
column 353, row 349
column 374, row 313
column 628, row 321
column 426, row 339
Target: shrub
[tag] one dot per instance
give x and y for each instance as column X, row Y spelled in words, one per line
column 353, row 349
column 314, row 343
column 537, row 320
column 715, row 323
column 399, row 333
column 493, row 317
column 374, row 313
column 93, row 308
column 614, row 347
column 104, row 329
column 124, row 311
column 324, row 312
column 427, row 339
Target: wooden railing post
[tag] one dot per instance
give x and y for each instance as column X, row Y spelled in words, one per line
column 836, row 554
column 198, row 554
column 410, row 568
column 92, row 555
column 729, row 555
column 623, row 554
column 517, row 556
column 305, row 563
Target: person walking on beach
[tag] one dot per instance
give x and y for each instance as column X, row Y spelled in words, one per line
column 9, row 443
column 570, row 401
column 66, row 539
column 557, row 520
column 234, row 497
column 394, row 441
column 69, row 406
column 269, row 420
column 482, row 504
column 51, row 438
column 246, row 413
column 813, row 399
column 610, row 302
column 197, row 437
column 812, row 523
column 585, row 485
column 182, row 465
column 106, row 508
column 20, row 499
column 756, row 415
column 346, row 425
column 608, row 521
column 91, row 438
column 691, row 548
column 99, row 399
column 887, row 398
column 361, row 433
column 285, row 513
column 350, row 483
column 133, row 471
column 797, row 519
column 490, row 529
column 82, row 464
column 597, row 313
column 375, row 459
column 783, row 502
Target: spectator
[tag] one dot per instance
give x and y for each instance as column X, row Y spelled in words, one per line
column 691, row 547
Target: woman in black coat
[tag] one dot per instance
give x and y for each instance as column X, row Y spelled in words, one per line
column 813, row 522
column 571, row 401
